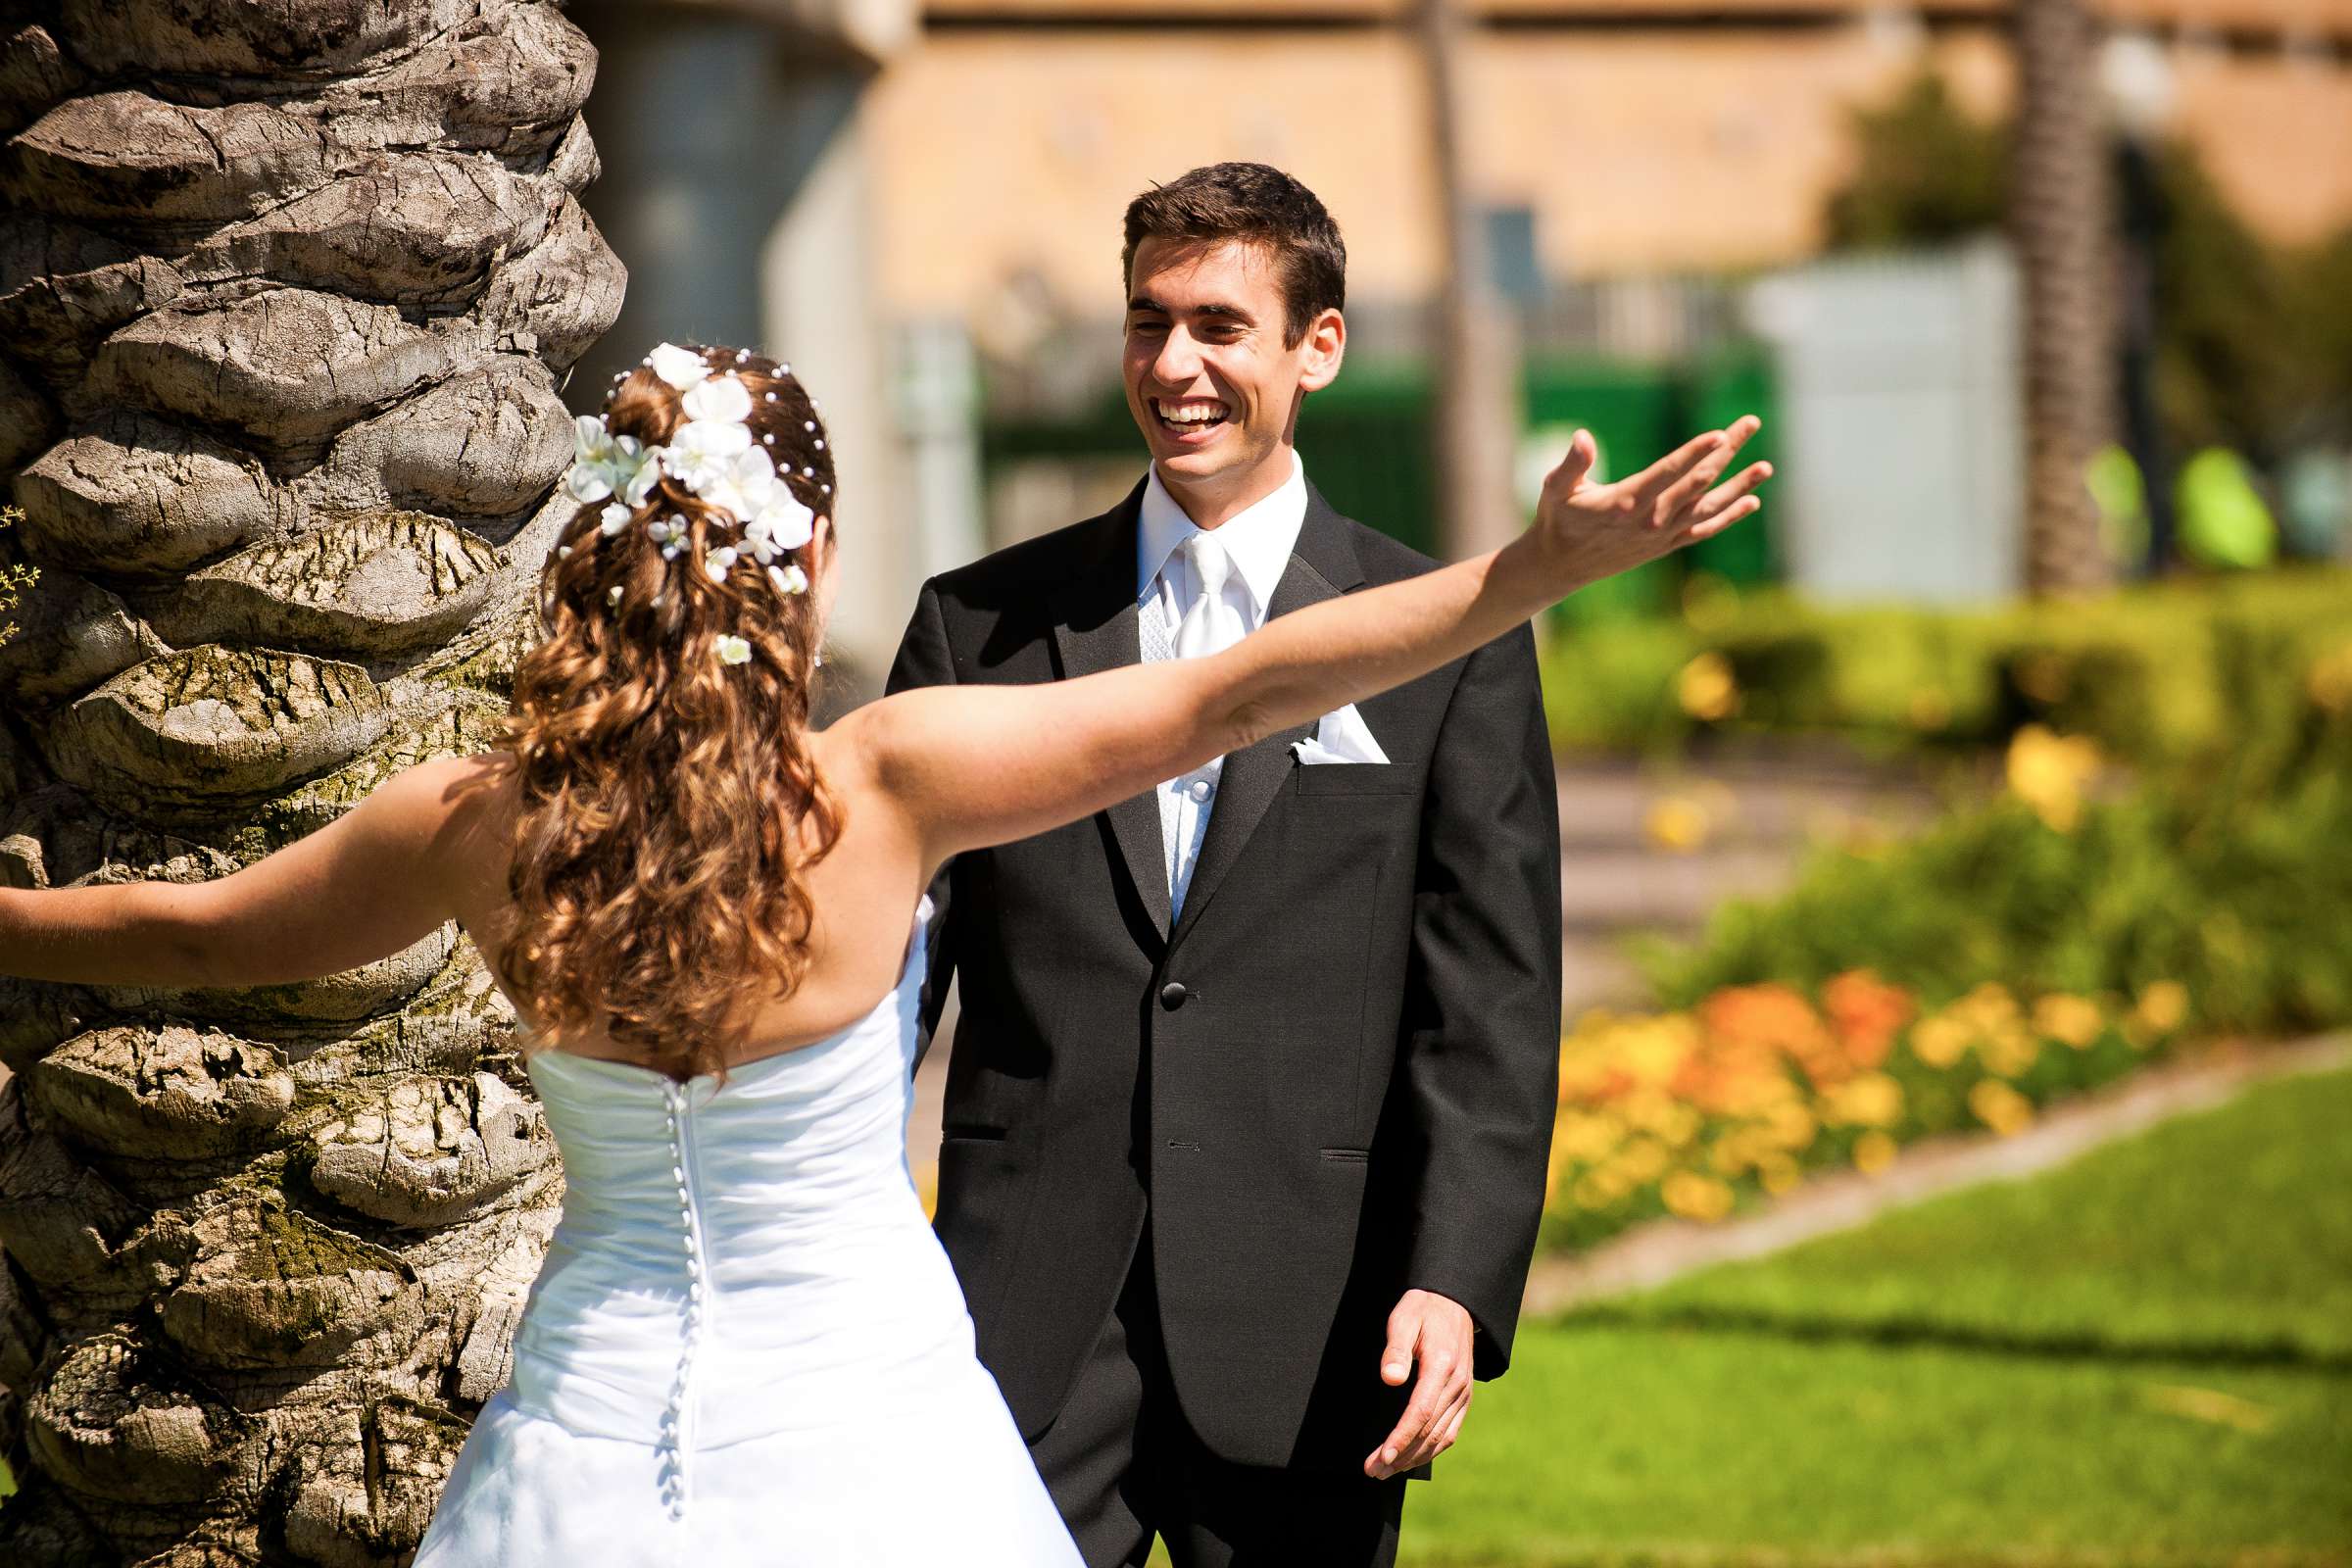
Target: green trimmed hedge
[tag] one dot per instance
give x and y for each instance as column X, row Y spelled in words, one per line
column 2176, row 673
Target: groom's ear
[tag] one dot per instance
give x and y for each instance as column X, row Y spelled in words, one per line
column 1320, row 351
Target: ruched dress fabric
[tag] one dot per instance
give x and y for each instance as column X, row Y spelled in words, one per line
column 745, row 1346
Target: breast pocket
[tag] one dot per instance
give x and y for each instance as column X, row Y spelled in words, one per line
column 1355, row 778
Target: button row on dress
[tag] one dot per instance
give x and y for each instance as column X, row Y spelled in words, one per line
column 673, row 1469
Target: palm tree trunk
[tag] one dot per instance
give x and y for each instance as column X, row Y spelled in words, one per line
column 286, row 292
column 2059, row 218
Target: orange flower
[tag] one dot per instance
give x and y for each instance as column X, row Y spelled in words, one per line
column 1776, row 1019
column 1867, row 1013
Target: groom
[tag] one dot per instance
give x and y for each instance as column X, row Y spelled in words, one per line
column 1251, row 1094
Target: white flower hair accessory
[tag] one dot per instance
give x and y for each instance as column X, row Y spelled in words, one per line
column 733, row 650
column 713, row 455
column 607, row 464
column 680, row 367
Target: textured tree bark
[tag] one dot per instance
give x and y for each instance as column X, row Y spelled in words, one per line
column 2059, row 218
column 288, row 288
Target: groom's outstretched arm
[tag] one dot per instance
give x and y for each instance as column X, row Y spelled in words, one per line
column 925, row 659
column 1482, row 1002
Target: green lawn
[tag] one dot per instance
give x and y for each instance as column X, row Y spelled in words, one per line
column 2144, row 1357
column 1631, row 1445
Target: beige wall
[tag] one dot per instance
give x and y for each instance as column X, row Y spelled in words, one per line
column 997, row 151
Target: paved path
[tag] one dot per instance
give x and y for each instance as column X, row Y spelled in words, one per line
column 1664, row 1249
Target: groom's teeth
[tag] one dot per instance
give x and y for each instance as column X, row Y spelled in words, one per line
column 1192, row 412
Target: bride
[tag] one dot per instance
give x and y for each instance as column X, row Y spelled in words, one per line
column 745, row 1346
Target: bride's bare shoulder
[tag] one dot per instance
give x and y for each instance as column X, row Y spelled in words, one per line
column 850, row 751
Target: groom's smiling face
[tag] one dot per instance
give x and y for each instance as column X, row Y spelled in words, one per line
column 1211, row 379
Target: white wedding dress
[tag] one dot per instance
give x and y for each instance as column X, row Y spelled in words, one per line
column 745, row 1346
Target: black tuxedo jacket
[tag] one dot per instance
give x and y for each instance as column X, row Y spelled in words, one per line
column 1330, row 1080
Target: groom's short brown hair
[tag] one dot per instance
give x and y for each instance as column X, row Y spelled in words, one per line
column 1259, row 204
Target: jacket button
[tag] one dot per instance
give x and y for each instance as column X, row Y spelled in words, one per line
column 1172, row 995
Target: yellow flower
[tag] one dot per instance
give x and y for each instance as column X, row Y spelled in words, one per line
column 1999, row 1107
column 2048, row 771
column 2070, row 1021
column 1939, row 1041
column 1597, row 1189
column 1642, row 1159
column 2163, row 1006
column 1651, row 1110
column 1677, row 823
column 1873, row 1151
column 2010, row 1050
column 1653, row 1050
column 1695, row 1197
column 1707, row 687
column 1779, row 1173
column 1872, row 1100
column 1988, row 1006
column 1584, row 1137
column 1789, row 1125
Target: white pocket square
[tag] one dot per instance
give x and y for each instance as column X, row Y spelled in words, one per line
column 1341, row 736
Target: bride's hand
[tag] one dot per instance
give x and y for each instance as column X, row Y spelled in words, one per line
column 1591, row 531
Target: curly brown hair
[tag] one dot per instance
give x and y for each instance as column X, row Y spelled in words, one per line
column 668, row 806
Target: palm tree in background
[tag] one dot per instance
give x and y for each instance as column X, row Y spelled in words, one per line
column 2058, row 214
column 286, row 291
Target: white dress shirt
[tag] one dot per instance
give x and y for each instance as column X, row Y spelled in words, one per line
column 1259, row 543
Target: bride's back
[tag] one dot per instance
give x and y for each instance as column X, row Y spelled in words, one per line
column 859, row 918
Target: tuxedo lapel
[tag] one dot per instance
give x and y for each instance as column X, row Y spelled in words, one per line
column 1323, row 566
column 1095, row 630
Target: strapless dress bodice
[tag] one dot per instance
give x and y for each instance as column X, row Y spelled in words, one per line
column 760, row 1236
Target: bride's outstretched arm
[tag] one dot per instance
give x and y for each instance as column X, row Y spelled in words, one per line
column 977, row 764
column 367, row 885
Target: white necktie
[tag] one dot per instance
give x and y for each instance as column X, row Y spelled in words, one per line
column 1213, row 624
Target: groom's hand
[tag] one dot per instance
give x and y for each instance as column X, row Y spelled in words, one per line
column 1432, row 1332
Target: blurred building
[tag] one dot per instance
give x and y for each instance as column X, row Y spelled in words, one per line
column 892, row 194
